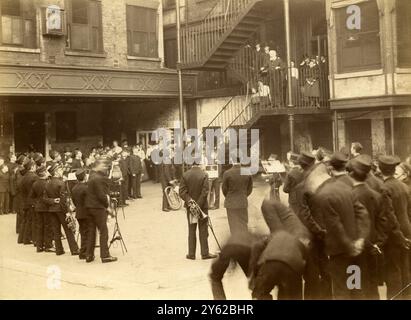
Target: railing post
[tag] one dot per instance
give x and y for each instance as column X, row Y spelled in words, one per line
column 287, row 40
column 291, row 124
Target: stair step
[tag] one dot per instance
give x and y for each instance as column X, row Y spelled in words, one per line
column 227, row 47
column 239, row 42
column 241, row 33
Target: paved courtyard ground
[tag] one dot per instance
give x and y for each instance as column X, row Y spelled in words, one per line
column 154, row 267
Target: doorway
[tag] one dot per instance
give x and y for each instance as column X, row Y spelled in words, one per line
column 29, row 132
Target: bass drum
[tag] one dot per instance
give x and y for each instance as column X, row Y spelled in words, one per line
column 173, row 198
column 316, row 177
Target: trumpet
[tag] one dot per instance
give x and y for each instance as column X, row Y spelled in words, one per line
column 173, row 198
column 196, row 214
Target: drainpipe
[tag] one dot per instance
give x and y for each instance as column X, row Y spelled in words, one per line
column 392, row 129
column 179, row 72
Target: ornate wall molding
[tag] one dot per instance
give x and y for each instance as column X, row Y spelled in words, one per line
column 34, row 81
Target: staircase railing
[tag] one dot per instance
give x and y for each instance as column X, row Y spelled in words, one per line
column 235, row 112
column 199, row 39
column 268, row 80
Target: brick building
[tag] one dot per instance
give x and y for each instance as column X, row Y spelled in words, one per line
column 363, row 89
column 80, row 72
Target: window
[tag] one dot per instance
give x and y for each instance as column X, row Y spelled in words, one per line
column 403, row 33
column 66, row 126
column 18, row 23
column 142, row 32
column 359, row 50
column 85, row 26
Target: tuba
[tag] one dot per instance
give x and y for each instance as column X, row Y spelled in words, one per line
column 196, row 213
column 173, row 198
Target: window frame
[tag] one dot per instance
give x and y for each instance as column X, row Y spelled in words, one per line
column 90, row 27
column 147, row 31
column 26, row 39
column 341, row 35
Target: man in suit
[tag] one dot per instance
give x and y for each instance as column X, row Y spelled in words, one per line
column 135, row 171
column 97, row 203
column 26, row 230
column 373, row 201
column 41, row 205
column 4, row 186
column 56, row 192
column 397, row 246
column 194, row 187
column 346, row 224
column 124, row 164
column 79, row 196
column 18, row 200
column 236, row 189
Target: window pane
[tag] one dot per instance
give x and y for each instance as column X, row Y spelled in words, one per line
column 403, row 33
column 6, row 23
column 80, row 35
column 10, row 7
column 140, row 44
column 80, row 11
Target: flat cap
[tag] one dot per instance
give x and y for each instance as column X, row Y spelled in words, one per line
column 20, row 159
column 28, row 163
column 41, row 171
column 339, row 158
column 389, row 161
column 361, row 163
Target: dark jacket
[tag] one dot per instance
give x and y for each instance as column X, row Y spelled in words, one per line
column 97, row 191
column 26, row 184
column 135, row 166
column 56, row 188
column 280, row 246
column 124, row 165
column 166, row 174
column 194, row 185
column 294, row 177
column 13, row 182
column 4, row 179
column 345, row 219
column 76, row 164
column 401, row 201
column 373, row 202
column 236, row 188
column 78, row 194
column 39, row 194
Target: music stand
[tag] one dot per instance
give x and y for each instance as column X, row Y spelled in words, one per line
column 117, row 233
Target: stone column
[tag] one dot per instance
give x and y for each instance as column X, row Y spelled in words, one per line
column 378, row 136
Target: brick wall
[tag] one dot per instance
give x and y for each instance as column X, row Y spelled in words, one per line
column 52, row 50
